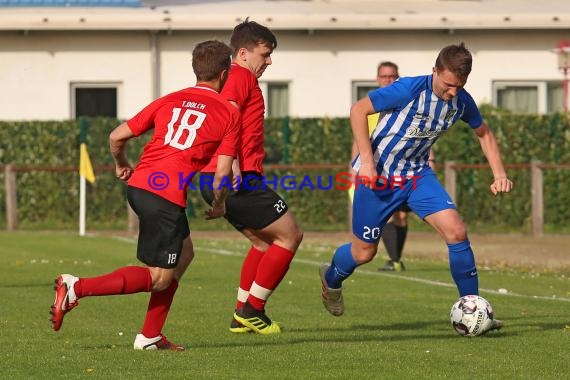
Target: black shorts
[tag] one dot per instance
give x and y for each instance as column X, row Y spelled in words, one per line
column 404, row 207
column 163, row 226
column 254, row 205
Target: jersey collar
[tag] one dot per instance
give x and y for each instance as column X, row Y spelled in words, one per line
column 205, row 87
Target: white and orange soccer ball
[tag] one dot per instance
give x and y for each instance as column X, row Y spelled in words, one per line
column 471, row 315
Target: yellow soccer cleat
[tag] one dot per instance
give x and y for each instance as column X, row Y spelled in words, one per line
column 257, row 321
column 238, row 328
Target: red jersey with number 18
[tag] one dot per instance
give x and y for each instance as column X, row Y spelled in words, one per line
column 189, row 127
column 242, row 88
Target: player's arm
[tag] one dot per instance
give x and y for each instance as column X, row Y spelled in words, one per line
column 431, row 159
column 117, row 144
column 490, row 147
column 359, row 123
column 223, row 172
column 353, row 154
column 372, row 121
column 235, row 165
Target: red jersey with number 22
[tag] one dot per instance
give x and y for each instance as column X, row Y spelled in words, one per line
column 242, row 88
column 190, row 126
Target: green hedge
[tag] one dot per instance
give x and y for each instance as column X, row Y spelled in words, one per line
column 47, row 199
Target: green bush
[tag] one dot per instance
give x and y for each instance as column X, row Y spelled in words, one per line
column 50, row 199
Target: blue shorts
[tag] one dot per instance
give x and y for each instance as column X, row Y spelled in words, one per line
column 371, row 209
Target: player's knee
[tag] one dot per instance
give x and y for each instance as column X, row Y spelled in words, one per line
column 293, row 238
column 298, row 235
column 400, row 219
column 187, row 255
column 363, row 254
column 161, row 281
column 456, row 233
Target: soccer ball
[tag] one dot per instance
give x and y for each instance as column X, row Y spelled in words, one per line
column 471, row 315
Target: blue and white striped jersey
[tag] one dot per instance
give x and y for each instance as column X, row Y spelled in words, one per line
column 412, row 119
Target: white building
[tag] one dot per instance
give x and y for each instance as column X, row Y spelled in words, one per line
column 60, row 62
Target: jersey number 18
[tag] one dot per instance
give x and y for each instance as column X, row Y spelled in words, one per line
column 173, row 137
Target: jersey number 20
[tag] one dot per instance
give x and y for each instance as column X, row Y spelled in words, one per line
column 174, row 137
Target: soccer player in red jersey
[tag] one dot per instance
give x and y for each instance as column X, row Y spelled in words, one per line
column 188, row 126
column 255, row 210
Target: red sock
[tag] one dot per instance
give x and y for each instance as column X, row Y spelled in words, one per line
column 271, row 270
column 248, row 271
column 125, row 280
column 158, row 308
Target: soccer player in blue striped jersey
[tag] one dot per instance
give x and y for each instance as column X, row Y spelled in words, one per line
column 393, row 168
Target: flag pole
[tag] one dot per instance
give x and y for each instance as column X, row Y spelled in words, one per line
column 85, row 173
column 82, row 200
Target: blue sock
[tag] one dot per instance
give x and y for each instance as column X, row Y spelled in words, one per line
column 341, row 267
column 463, row 269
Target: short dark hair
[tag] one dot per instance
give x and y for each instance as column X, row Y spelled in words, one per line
column 455, row 58
column 209, row 59
column 387, row 64
column 249, row 34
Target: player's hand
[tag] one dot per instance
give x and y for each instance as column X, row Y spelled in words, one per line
column 124, row 172
column 216, row 211
column 236, row 172
column 236, row 179
column 501, row 185
column 365, row 175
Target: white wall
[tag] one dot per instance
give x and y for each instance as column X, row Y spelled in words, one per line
column 36, row 69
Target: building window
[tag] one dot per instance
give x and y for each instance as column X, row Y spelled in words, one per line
column 361, row 88
column 528, row 96
column 94, row 99
column 555, row 100
column 276, row 97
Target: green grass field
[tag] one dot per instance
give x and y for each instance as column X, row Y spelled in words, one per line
column 396, row 326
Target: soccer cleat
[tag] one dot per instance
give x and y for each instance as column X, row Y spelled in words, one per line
column 392, row 266
column 332, row 298
column 257, row 321
column 238, row 328
column 65, row 299
column 157, row 343
column 496, row 325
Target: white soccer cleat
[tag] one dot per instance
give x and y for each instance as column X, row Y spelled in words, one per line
column 65, row 299
column 332, row 298
column 496, row 324
column 157, row 343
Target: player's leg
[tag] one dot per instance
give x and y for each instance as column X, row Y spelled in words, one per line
column 69, row 289
column 165, row 245
column 461, row 258
column 247, row 275
column 249, row 267
column 394, row 236
column 161, row 301
column 371, row 210
column 156, row 247
column 430, row 201
column 263, row 217
column 255, row 251
column 284, row 236
column 266, row 218
column 131, row 279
